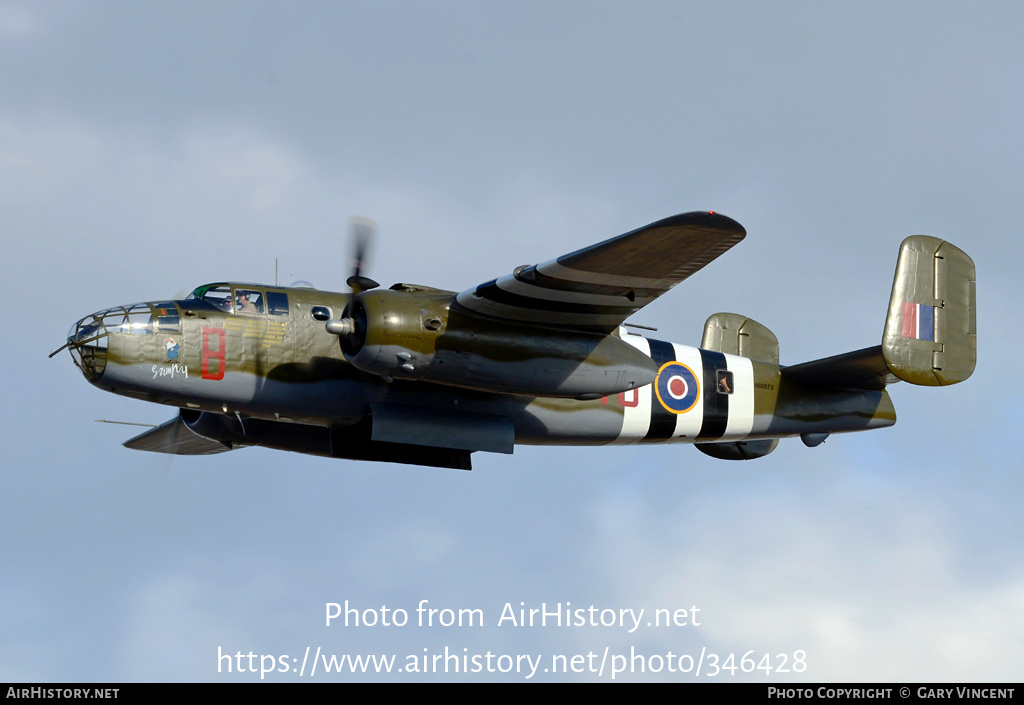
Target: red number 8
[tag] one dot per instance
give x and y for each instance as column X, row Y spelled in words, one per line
column 217, row 354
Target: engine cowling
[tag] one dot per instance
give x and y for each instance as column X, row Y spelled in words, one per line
column 394, row 332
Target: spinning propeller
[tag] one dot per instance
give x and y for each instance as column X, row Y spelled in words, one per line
column 363, row 231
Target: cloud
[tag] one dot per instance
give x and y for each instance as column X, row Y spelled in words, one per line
column 870, row 586
column 16, row 20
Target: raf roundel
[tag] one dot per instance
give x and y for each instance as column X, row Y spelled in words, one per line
column 677, row 387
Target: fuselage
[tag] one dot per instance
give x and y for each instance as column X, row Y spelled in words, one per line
column 255, row 351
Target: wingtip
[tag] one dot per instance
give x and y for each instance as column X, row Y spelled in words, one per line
column 723, row 222
column 707, row 219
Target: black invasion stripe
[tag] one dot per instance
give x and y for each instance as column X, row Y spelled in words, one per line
column 716, row 406
column 546, row 281
column 492, row 292
column 663, row 421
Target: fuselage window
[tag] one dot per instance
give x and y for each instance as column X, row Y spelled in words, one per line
column 725, row 381
column 277, row 303
column 167, row 317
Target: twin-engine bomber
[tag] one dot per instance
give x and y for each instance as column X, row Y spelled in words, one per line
column 541, row 356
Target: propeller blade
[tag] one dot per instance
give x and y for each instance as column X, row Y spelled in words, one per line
column 360, row 283
column 363, row 232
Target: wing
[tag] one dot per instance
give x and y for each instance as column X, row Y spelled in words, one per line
column 175, row 438
column 599, row 287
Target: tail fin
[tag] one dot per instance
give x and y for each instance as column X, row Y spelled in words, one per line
column 930, row 333
column 931, row 330
column 738, row 335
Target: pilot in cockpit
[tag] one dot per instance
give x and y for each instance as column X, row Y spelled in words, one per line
column 244, row 305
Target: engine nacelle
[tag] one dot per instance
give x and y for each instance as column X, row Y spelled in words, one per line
column 416, row 333
column 395, row 331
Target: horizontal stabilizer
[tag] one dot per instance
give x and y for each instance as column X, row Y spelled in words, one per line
column 174, row 437
column 861, row 369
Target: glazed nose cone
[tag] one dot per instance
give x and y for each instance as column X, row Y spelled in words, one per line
column 87, row 340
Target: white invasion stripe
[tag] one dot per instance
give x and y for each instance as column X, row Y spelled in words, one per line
column 512, row 285
column 636, row 420
column 554, row 269
column 688, row 424
column 741, row 403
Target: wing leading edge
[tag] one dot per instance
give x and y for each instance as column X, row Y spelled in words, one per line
column 599, row 287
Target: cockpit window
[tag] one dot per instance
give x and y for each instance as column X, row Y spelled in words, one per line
column 241, row 299
column 248, row 301
column 217, row 295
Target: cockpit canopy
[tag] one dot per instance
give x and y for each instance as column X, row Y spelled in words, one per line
column 241, row 298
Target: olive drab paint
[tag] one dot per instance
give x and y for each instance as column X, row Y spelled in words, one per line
column 542, row 356
column 931, row 333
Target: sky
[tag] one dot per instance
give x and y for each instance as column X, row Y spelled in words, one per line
column 147, row 148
